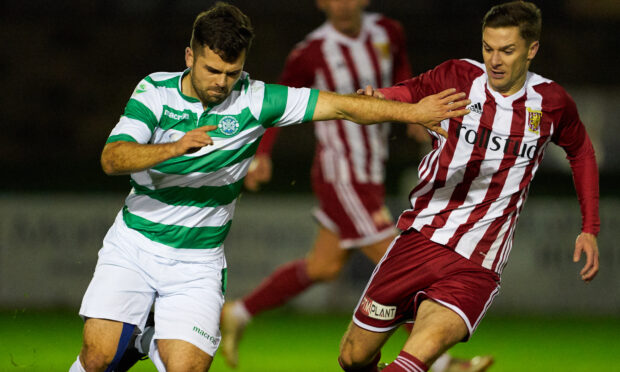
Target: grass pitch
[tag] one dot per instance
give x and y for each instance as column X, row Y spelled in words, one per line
column 33, row 341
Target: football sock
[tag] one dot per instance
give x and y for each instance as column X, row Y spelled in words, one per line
column 442, row 363
column 406, row 362
column 77, row 366
column 283, row 284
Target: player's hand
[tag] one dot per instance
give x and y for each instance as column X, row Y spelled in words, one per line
column 437, row 107
column 371, row 92
column 586, row 243
column 194, row 140
column 259, row 172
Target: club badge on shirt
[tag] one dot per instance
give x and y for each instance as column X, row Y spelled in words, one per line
column 533, row 120
column 228, row 125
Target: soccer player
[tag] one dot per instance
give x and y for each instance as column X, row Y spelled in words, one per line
column 187, row 140
column 350, row 50
column 444, row 270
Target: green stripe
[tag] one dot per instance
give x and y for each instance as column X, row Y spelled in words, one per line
column 120, row 137
column 314, row 96
column 178, row 236
column 209, row 162
column 138, row 111
column 274, row 104
column 205, row 196
column 181, row 120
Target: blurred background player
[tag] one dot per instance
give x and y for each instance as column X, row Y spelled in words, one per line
column 349, row 51
column 444, row 269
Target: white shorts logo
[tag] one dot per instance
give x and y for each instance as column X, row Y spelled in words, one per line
column 375, row 310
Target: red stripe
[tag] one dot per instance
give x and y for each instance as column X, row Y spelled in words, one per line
column 372, row 53
column 445, row 157
column 472, row 170
column 329, row 79
column 346, row 53
column 545, row 130
column 495, row 187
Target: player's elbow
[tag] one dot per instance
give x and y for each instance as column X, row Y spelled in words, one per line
column 108, row 160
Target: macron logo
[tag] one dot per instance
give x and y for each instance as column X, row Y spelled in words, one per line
column 175, row 116
column 476, row 107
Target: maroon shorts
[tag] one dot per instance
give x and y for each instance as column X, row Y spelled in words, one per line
column 354, row 211
column 415, row 269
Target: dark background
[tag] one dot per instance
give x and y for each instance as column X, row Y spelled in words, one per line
column 67, row 69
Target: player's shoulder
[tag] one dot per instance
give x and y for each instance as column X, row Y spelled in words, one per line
column 459, row 70
column 553, row 93
column 310, row 45
column 466, row 65
column 163, row 79
column 384, row 21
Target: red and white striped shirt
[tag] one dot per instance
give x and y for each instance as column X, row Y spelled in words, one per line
column 329, row 60
column 473, row 185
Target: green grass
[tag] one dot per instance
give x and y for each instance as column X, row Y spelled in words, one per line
column 283, row 341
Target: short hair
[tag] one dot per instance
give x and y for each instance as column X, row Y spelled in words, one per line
column 522, row 14
column 224, row 29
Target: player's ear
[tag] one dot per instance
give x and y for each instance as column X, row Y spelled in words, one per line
column 532, row 50
column 189, row 57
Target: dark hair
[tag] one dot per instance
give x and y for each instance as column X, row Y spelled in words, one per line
column 522, row 14
column 224, row 29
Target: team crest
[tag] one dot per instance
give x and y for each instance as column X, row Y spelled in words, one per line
column 383, row 48
column 228, row 125
column 533, row 120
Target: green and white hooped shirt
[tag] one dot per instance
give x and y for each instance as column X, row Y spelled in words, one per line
column 186, row 204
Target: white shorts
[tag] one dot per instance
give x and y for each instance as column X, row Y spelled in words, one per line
column 188, row 296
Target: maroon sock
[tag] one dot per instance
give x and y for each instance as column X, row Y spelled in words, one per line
column 283, row 284
column 406, row 362
column 372, row 367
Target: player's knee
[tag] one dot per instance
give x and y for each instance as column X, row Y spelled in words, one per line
column 94, row 359
column 352, row 356
column 187, row 364
column 324, row 272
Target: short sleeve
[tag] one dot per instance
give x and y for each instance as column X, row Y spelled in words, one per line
column 141, row 115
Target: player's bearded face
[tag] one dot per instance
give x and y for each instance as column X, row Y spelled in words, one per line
column 212, row 78
column 507, row 58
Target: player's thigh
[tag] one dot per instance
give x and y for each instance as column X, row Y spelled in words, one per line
column 326, row 258
column 377, row 250
column 190, row 303
column 182, row 356
column 359, row 346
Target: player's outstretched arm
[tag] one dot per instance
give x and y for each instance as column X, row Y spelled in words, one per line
column 586, row 243
column 124, row 157
column 429, row 111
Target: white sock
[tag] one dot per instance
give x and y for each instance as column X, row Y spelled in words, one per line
column 442, row 363
column 155, row 358
column 77, row 366
column 240, row 312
